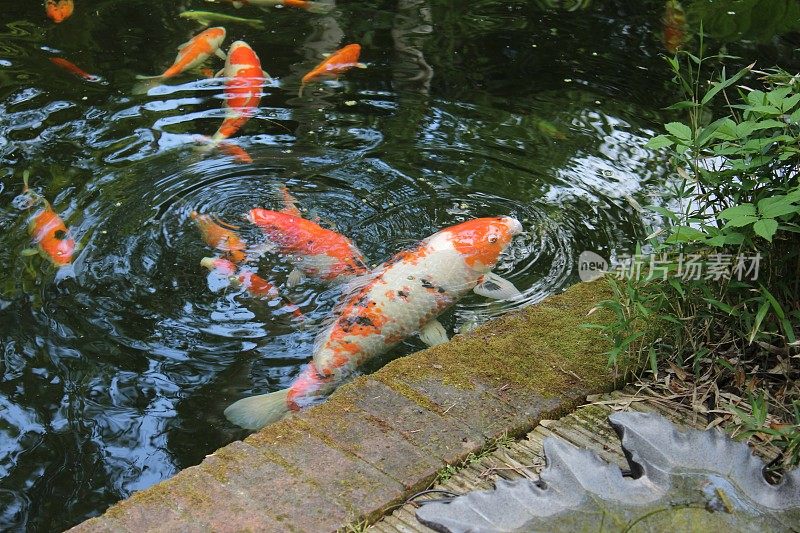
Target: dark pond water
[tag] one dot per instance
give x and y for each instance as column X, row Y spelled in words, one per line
column 115, row 372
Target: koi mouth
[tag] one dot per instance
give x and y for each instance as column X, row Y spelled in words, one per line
column 514, row 225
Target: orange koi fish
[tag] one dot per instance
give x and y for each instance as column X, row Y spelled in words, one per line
column 48, row 230
column 238, row 153
column 219, row 237
column 675, row 26
column 254, row 284
column 398, row 299
column 316, row 252
column 194, row 52
column 71, row 67
column 312, row 7
column 242, row 90
column 59, row 11
column 335, row 64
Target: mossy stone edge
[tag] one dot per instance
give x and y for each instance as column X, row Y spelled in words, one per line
column 381, row 437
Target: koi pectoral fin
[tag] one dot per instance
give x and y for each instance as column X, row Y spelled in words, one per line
column 255, row 412
column 493, row 286
column 28, row 252
column 220, row 54
column 295, row 278
column 433, row 333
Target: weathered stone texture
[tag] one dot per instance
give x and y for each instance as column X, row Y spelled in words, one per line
column 383, row 436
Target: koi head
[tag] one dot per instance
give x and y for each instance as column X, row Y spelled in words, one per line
column 213, row 36
column 349, row 54
column 481, row 241
column 59, row 11
column 241, row 58
column 220, row 237
column 272, row 221
column 220, row 265
column 53, row 237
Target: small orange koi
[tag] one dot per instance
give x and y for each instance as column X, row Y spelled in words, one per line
column 317, row 252
column 219, row 237
column 71, row 67
column 59, row 11
column 48, row 230
column 245, row 78
column 193, row 52
column 335, row 64
column 254, row 284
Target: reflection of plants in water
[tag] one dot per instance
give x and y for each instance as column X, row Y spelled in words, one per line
column 756, row 20
column 563, row 5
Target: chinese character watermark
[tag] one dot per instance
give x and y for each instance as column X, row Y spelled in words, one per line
column 688, row 267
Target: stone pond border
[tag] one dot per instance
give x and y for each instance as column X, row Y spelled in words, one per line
column 384, row 436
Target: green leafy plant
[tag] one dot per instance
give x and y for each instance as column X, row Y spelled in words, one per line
column 736, row 194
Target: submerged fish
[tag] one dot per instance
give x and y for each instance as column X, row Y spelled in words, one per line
column 47, row 230
column 238, row 153
column 675, row 26
column 71, row 67
column 313, row 7
column 254, row 284
column 400, row 298
column 335, row 64
column 193, row 52
column 60, row 10
column 207, row 18
column 289, row 202
column 317, row 252
column 245, row 79
column 220, row 238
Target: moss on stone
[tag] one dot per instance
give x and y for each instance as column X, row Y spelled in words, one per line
column 541, row 349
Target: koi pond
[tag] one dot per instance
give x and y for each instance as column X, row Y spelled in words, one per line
column 116, row 369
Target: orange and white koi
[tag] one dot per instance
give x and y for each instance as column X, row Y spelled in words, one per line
column 335, row 64
column 316, row 252
column 193, row 53
column 59, row 10
column 398, row 299
column 675, row 26
column 220, row 238
column 254, row 284
column 245, row 80
column 312, row 7
column 72, row 68
column 48, row 230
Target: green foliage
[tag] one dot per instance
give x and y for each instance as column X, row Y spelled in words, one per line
column 737, row 194
column 785, row 436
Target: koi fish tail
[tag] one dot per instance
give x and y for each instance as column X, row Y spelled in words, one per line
column 205, row 144
column 256, row 412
